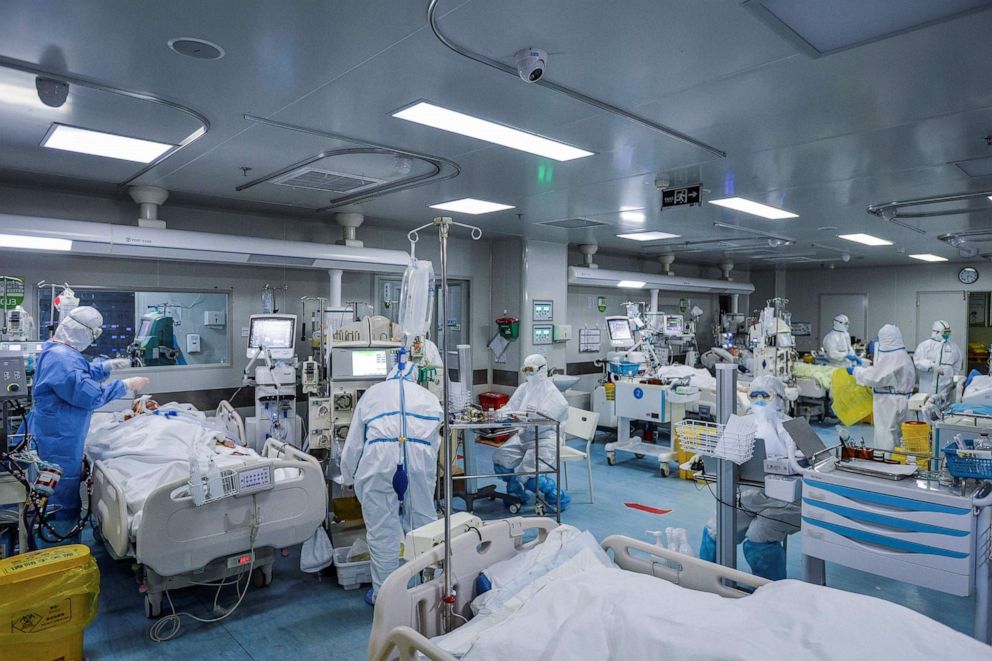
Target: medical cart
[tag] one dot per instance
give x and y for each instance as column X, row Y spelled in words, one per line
column 910, row 530
column 650, row 403
column 521, row 425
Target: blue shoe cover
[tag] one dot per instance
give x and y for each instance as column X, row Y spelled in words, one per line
column 767, row 560
column 369, row 597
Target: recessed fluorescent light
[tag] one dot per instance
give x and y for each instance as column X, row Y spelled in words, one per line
column 448, row 120
column 754, row 208
column 927, row 257
column 630, row 284
column 98, row 143
column 472, row 206
column 648, row 236
column 866, row 239
column 633, row 216
column 34, row 242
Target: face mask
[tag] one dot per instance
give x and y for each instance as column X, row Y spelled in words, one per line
column 946, row 335
column 531, row 377
column 760, row 403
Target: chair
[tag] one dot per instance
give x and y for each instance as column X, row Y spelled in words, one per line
column 582, row 425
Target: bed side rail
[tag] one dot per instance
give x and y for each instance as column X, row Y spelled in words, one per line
column 419, row 607
column 683, row 570
column 274, row 449
column 110, row 507
column 407, row 643
column 232, row 421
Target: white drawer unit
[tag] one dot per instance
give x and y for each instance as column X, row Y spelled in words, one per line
column 911, row 530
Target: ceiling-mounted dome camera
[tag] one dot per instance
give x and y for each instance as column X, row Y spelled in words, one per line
column 845, row 257
column 52, row 93
column 531, row 63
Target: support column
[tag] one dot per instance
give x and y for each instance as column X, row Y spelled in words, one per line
column 726, row 471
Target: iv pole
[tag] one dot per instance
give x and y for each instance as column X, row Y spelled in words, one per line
column 443, row 224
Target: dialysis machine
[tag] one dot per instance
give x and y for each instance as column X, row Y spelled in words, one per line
column 272, row 340
column 771, row 342
column 155, row 343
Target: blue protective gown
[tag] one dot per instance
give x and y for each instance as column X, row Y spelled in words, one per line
column 67, row 390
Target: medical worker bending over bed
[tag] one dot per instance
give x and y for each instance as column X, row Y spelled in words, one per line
column 540, row 395
column 763, row 523
column 67, row 389
column 938, row 360
column 390, row 456
column 891, row 378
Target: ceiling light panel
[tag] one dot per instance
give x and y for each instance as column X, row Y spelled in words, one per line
column 633, row 216
column 630, row 284
column 34, row 242
column 865, row 239
column 648, row 236
column 927, row 257
column 754, row 208
column 437, row 117
column 98, row 143
column 471, row 206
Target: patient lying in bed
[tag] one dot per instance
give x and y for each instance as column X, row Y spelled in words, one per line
column 564, row 599
column 151, row 445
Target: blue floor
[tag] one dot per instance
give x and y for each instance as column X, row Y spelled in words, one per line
column 300, row 614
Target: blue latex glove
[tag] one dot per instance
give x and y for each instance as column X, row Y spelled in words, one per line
column 854, row 359
column 850, row 370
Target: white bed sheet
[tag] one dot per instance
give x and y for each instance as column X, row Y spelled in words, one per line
column 581, row 609
column 149, row 450
column 697, row 377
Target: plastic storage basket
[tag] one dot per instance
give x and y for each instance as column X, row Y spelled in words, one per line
column 351, row 575
column 712, row 440
column 968, row 462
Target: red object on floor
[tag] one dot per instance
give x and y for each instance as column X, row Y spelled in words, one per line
column 492, row 400
column 646, row 508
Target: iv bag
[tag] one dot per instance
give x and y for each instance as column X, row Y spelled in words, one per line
column 417, row 298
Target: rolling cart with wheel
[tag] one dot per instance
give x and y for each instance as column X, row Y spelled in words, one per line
column 650, row 403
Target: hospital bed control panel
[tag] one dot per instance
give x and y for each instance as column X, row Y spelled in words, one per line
column 13, row 379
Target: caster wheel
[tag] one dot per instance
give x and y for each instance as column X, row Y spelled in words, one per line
column 260, row 578
column 611, row 459
column 666, row 470
column 539, row 509
column 638, row 456
column 153, row 610
column 514, row 508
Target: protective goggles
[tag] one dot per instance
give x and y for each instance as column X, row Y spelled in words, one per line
column 759, row 394
column 529, row 370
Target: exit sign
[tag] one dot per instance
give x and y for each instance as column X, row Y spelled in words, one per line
column 687, row 196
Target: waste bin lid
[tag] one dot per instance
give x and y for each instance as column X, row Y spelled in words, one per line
column 36, row 564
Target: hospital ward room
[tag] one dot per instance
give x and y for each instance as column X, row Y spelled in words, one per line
column 460, row 330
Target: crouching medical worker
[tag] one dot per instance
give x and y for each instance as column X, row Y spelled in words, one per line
column 67, row 389
column 540, row 395
column 938, row 360
column 837, row 343
column 763, row 523
column 390, row 456
column 891, row 378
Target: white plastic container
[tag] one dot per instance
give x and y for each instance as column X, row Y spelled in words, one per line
column 351, row 575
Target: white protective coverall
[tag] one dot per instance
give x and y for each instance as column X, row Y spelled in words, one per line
column 837, row 343
column 891, row 377
column 938, row 360
column 395, row 424
column 516, row 455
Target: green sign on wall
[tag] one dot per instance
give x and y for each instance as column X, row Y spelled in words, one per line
column 14, row 294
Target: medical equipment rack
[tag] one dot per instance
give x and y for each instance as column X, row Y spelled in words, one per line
column 533, row 420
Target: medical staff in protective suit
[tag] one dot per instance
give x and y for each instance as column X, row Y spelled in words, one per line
column 390, row 456
column 837, row 343
column 540, row 395
column 891, row 378
column 938, row 360
column 67, row 389
column 763, row 523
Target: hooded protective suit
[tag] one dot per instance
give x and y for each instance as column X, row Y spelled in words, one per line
column 764, row 522
column 538, row 394
column 837, row 343
column 891, row 378
column 938, row 360
column 66, row 391
column 394, row 432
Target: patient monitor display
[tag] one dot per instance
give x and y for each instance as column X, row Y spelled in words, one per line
column 674, row 324
column 275, row 332
column 619, row 329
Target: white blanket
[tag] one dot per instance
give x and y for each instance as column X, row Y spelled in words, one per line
column 700, row 378
column 581, row 609
column 150, row 450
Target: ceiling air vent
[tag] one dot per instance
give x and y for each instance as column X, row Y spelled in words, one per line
column 325, row 180
column 573, row 223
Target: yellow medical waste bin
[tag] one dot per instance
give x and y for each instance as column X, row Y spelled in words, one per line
column 47, row 599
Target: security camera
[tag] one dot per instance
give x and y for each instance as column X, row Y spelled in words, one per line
column 531, row 63
column 845, row 257
column 52, row 93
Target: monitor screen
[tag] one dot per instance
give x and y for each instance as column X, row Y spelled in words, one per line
column 146, row 326
column 369, row 362
column 272, row 333
column 673, row 324
column 619, row 330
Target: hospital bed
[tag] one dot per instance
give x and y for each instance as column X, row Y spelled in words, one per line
column 178, row 544
column 692, row 621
